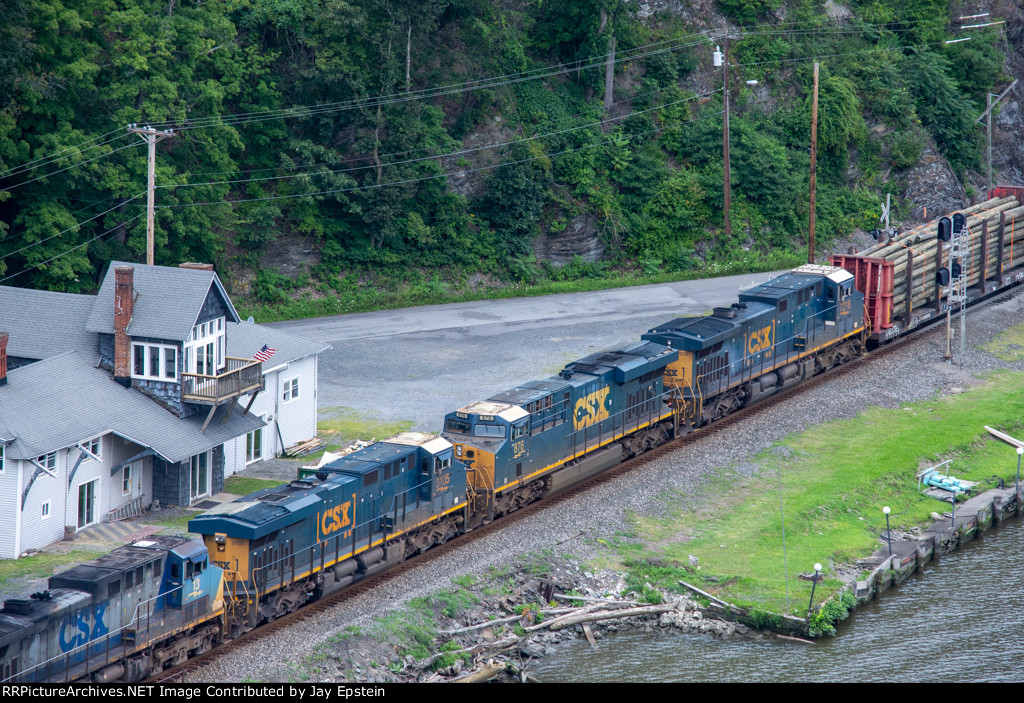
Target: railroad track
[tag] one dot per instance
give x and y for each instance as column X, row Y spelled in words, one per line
column 878, row 355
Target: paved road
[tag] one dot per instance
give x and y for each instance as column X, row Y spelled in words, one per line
column 419, row 363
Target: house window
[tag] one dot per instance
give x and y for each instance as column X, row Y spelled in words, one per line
column 48, row 461
column 254, row 446
column 291, row 389
column 126, row 480
column 199, row 475
column 93, row 447
column 45, row 510
column 154, row 361
column 204, row 348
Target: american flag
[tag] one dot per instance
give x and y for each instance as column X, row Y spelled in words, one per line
column 264, row 354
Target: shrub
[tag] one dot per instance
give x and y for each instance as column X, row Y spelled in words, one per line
column 906, row 149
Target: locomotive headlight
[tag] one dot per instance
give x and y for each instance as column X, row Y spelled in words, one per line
column 458, row 450
column 221, row 540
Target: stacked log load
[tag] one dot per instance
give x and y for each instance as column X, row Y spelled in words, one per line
column 917, row 249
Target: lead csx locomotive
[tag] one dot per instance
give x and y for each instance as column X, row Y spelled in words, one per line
column 150, row 605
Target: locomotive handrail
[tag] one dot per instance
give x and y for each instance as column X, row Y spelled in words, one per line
column 92, row 644
column 263, row 569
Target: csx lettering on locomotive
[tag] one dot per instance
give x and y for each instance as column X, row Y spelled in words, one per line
column 336, row 518
column 591, row 408
column 760, row 340
column 82, row 627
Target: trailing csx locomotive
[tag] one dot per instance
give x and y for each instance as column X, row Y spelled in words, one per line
column 270, row 552
column 137, row 609
column 778, row 334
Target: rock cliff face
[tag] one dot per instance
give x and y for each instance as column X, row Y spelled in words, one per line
column 579, row 238
column 933, row 185
column 929, row 188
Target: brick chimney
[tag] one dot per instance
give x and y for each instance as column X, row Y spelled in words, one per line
column 123, row 301
column 3, row 357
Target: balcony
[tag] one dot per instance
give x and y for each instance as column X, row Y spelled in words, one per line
column 240, row 377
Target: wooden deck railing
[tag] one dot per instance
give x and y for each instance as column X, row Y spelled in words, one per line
column 240, row 377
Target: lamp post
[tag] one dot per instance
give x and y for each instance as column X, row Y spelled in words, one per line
column 814, row 584
column 888, row 534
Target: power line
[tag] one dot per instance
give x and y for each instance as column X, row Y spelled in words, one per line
column 65, row 253
column 848, row 53
column 447, row 155
column 507, row 79
column 81, row 163
column 303, row 112
column 57, row 156
column 438, row 175
column 355, row 159
column 74, row 226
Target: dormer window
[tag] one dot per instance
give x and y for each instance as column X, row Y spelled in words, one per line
column 158, row 362
column 204, row 348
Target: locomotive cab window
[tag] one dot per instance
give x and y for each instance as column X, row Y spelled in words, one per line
column 518, row 430
column 489, row 431
column 441, row 463
column 456, row 426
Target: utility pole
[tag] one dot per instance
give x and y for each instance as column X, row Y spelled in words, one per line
column 725, row 142
column 814, row 163
column 989, row 139
column 151, row 136
column 988, row 113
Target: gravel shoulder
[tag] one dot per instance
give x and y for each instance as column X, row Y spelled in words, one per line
column 915, row 371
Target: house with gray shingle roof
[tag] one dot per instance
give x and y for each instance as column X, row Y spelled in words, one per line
column 43, row 324
column 128, row 397
column 288, row 400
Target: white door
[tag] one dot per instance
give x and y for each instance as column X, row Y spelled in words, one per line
column 87, row 503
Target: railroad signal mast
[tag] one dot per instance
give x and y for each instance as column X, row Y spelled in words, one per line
column 955, row 235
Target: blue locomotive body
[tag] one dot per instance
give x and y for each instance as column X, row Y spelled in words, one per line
column 137, row 609
column 283, row 546
column 545, row 435
column 778, row 334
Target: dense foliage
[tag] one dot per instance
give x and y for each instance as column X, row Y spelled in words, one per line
column 378, row 134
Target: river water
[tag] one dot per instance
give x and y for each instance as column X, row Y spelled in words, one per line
column 961, row 619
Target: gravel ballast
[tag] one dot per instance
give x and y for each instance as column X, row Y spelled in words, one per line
column 914, row 371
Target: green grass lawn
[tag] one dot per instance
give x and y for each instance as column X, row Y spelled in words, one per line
column 339, row 427
column 242, row 486
column 44, row 564
column 835, row 481
column 1007, row 345
column 175, row 525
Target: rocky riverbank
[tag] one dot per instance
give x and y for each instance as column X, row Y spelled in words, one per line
column 493, row 627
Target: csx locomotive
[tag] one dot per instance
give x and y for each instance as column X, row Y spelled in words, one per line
column 147, row 606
